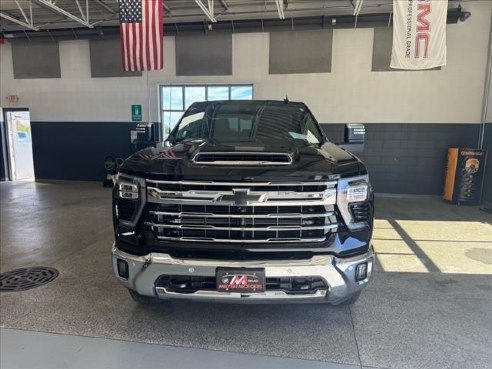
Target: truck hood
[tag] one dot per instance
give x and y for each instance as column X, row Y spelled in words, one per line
column 310, row 162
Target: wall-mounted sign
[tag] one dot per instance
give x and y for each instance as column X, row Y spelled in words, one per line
column 136, row 113
column 12, row 99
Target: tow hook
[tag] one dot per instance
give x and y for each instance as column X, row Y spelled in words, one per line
column 148, row 261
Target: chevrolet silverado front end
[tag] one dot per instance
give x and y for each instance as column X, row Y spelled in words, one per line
column 247, row 201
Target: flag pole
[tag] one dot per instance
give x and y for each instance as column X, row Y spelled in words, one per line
column 486, row 92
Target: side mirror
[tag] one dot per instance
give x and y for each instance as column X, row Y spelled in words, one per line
column 355, row 136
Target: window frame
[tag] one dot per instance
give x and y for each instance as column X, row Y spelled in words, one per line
column 183, row 86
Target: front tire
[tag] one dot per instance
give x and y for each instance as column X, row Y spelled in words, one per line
column 144, row 300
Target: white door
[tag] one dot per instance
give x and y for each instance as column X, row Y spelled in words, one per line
column 20, row 145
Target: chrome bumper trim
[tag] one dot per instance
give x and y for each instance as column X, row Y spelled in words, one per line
column 338, row 273
column 256, row 240
column 222, row 296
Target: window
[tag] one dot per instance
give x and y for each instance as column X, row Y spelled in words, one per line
column 175, row 99
column 246, row 121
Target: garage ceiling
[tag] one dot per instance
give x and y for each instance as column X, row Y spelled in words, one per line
column 45, row 15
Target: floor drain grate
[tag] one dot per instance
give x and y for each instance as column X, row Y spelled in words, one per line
column 26, row 278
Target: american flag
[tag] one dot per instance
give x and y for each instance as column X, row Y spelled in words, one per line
column 141, row 34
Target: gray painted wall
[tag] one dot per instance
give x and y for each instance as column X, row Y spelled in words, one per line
column 350, row 93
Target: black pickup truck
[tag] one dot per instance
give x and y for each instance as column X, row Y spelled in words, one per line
column 246, row 201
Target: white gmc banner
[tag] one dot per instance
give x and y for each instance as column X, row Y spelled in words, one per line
column 419, row 34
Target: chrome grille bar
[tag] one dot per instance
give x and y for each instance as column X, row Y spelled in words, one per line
column 244, row 184
column 241, row 212
column 254, row 198
column 240, row 216
column 269, row 228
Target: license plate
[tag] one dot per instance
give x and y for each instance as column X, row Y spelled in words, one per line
column 242, row 280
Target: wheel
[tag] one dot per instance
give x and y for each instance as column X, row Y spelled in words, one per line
column 351, row 300
column 144, row 300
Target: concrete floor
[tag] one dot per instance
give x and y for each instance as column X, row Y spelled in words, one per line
column 28, row 349
column 428, row 305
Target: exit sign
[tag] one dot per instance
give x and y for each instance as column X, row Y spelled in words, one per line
column 136, row 113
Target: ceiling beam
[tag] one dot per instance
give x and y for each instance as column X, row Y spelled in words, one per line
column 22, row 12
column 81, row 11
column 357, row 7
column 105, row 6
column 17, row 21
column 280, row 9
column 50, row 4
column 224, row 4
column 272, row 24
column 209, row 12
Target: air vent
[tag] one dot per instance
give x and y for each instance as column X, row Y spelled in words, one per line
column 242, row 158
column 361, row 212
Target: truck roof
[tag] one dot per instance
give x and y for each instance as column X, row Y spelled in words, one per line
column 251, row 102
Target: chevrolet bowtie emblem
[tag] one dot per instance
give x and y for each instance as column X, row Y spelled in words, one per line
column 242, row 196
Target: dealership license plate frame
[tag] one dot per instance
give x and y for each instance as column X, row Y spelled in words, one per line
column 252, row 274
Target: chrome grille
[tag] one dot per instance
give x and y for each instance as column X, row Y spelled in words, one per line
column 228, row 212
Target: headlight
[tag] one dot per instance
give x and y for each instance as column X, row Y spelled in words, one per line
column 129, row 200
column 350, row 193
column 127, row 190
column 357, row 192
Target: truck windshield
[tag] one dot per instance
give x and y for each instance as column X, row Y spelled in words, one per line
column 248, row 121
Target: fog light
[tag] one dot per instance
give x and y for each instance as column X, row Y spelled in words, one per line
column 122, row 268
column 361, row 272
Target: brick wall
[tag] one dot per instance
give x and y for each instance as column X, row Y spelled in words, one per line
column 409, row 158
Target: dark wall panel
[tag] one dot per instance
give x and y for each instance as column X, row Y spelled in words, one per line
column 204, row 54
column 401, row 158
column 76, row 150
column 106, row 59
column 381, row 50
column 36, row 59
column 301, row 51
column 409, row 158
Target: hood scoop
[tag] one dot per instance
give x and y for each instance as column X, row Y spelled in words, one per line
column 243, row 158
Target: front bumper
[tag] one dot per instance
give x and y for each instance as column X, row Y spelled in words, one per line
column 338, row 273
